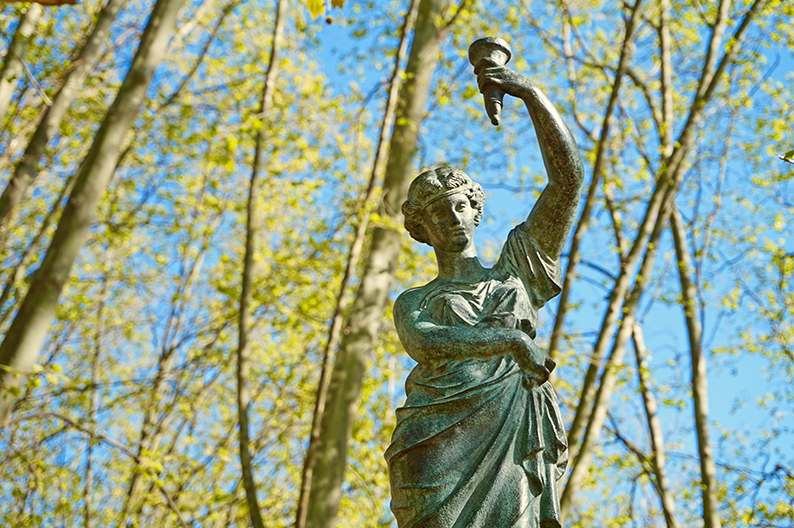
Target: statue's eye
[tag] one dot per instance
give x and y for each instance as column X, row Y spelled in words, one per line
column 460, row 207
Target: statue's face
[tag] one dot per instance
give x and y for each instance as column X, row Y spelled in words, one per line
column 449, row 223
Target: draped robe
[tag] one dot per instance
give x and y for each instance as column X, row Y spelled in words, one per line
column 477, row 443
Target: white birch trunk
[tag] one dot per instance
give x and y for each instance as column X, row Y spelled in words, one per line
column 252, row 221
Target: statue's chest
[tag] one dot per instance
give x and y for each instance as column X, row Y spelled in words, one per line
column 499, row 302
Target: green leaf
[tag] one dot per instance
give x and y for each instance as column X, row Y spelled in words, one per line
column 232, row 141
column 789, row 154
column 338, row 3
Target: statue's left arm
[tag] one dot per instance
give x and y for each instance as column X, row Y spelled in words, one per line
column 551, row 218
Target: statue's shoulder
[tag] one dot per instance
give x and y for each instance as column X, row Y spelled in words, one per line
column 411, row 299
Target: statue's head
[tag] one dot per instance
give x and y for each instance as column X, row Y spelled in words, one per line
column 433, row 185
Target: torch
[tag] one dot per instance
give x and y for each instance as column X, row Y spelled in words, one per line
column 487, row 53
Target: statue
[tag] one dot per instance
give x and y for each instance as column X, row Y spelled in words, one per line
column 480, row 441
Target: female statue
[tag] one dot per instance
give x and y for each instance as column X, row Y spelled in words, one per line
column 480, row 441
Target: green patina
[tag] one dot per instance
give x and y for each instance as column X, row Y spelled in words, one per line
column 480, row 441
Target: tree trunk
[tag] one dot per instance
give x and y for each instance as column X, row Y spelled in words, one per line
column 352, row 263
column 649, row 402
column 700, row 393
column 669, row 178
column 583, row 460
column 252, row 222
column 30, row 252
column 94, row 391
column 27, row 168
column 16, row 53
column 29, row 328
column 366, row 314
column 574, row 255
column 658, row 456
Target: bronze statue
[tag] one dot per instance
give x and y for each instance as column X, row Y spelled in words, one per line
column 480, row 441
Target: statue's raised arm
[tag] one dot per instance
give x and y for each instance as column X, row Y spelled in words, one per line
column 551, row 218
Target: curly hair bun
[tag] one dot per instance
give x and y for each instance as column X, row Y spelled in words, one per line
column 432, row 185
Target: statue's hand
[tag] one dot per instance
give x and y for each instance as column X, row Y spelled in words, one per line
column 506, row 80
column 531, row 359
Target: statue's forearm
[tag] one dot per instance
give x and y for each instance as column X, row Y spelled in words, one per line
column 430, row 343
column 551, row 218
column 557, row 145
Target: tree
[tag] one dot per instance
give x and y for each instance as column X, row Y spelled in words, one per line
column 364, row 320
column 27, row 166
column 669, row 172
column 27, row 333
column 13, row 65
column 381, row 156
column 251, row 224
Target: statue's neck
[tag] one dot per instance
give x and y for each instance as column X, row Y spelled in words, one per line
column 461, row 266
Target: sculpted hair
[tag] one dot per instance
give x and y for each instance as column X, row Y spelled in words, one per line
column 432, row 183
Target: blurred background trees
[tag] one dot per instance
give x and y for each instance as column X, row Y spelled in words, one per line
column 205, row 309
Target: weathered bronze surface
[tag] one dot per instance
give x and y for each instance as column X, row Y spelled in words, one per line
column 480, row 441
